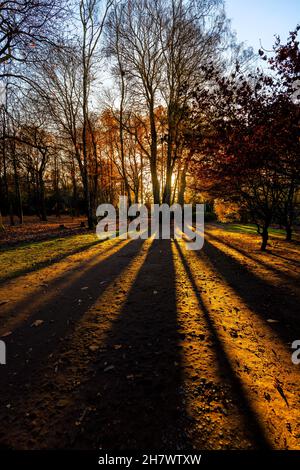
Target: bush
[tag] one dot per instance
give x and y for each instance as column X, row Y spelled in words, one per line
column 227, row 211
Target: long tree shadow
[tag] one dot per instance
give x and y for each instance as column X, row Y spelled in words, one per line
column 136, row 393
column 29, row 347
column 251, row 420
column 44, row 292
column 266, row 300
column 297, row 263
column 244, row 253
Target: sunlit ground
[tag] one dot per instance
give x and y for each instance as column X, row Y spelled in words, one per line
column 143, row 344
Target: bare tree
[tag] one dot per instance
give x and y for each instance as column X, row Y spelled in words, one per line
column 93, row 16
column 159, row 48
column 133, row 27
column 24, row 24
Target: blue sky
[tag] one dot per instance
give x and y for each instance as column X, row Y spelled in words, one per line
column 262, row 19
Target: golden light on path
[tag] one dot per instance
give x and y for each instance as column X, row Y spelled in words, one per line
column 109, row 305
column 73, row 360
column 269, row 271
column 29, row 293
column 257, row 355
column 200, row 363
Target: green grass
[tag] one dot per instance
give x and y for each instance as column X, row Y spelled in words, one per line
column 251, row 229
column 27, row 257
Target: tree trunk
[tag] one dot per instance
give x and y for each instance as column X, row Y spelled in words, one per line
column 289, row 232
column 153, row 160
column 127, row 187
column 5, row 182
column 142, row 176
column 75, row 192
column 182, row 185
column 17, row 189
column 265, row 237
column 43, row 212
column 56, row 187
column 169, row 168
column 168, row 187
column 155, row 183
column 1, row 222
column 289, row 213
column 86, row 179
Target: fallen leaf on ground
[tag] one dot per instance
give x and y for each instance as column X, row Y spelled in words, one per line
column 37, row 323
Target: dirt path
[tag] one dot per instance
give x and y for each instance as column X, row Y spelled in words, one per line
column 146, row 345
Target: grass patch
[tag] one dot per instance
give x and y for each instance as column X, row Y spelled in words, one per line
column 251, row 229
column 15, row 261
